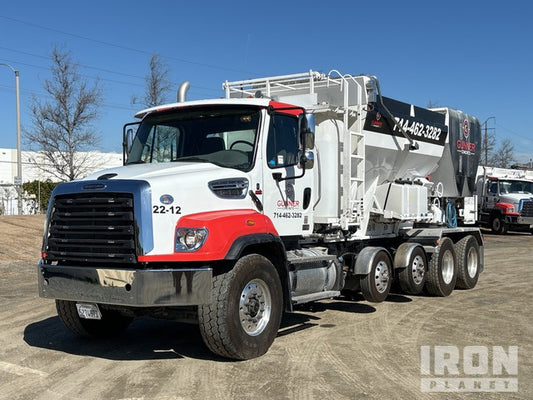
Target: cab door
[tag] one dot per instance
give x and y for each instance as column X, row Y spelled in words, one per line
column 493, row 194
column 287, row 185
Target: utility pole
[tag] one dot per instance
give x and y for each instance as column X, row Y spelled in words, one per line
column 486, row 140
column 18, row 178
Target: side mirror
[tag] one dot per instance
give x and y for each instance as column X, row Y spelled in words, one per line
column 307, row 131
column 128, row 135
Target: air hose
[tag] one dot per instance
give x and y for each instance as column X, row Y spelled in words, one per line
column 451, row 215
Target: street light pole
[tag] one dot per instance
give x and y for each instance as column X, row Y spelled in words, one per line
column 18, row 178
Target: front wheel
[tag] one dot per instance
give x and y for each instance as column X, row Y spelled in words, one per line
column 469, row 260
column 442, row 269
column 244, row 316
column 376, row 285
column 498, row 225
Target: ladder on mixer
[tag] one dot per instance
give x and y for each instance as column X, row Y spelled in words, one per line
column 353, row 154
column 353, row 140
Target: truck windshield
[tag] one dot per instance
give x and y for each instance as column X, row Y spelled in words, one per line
column 222, row 136
column 517, row 187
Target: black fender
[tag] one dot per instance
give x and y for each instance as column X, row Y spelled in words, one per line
column 269, row 246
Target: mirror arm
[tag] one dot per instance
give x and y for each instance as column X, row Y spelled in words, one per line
column 277, row 175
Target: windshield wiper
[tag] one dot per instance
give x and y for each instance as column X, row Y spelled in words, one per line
column 191, row 158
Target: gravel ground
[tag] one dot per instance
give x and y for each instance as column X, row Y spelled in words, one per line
column 335, row 349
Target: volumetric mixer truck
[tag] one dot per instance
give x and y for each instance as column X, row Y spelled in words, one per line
column 289, row 190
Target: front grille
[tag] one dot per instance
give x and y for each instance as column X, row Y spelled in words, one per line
column 92, row 228
column 527, row 208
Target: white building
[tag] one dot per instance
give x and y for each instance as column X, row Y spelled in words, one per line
column 31, row 172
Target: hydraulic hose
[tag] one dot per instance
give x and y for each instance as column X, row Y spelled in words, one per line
column 451, row 215
column 412, row 144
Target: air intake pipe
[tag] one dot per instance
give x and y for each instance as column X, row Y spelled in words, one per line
column 182, row 91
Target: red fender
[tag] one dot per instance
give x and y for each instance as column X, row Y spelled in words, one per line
column 504, row 208
column 223, row 227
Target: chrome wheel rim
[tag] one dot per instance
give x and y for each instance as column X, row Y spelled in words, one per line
column 418, row 270
column 381, row 277
column 255, row 307
column 447, row 267
column 472, row 262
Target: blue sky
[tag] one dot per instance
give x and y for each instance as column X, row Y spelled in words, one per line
column 475, row 56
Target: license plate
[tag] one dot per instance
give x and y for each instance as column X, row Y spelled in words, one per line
column 88, row 311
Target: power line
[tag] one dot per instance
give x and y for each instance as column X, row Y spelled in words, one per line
column 194, row 87
column 513, row 132
column 122, row 47
column 81, row 65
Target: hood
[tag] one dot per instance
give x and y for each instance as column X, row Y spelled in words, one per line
column 514, row 198
column 150, row 172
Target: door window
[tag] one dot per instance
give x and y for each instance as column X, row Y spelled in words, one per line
column 282, row 143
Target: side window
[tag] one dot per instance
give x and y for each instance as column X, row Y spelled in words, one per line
column 493, row 188
column 282, row 143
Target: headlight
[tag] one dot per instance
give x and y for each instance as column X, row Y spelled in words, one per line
column 510, row 209
column 190, row 239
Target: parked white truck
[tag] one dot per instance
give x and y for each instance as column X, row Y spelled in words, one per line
column 231, row 211
column 505, row 199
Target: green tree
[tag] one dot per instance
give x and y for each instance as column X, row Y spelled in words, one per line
column 41, row 190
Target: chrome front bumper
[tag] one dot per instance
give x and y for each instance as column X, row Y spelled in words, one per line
column 126, row 287
column 525, row 221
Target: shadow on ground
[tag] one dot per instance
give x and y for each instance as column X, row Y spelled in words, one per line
column 154, row 339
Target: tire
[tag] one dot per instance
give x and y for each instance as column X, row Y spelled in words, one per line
column 498, row 225
column 442, row 269
column 468, row 259
column 376, row 285
column 112, row 323
column 243, row 319
column 413, row 277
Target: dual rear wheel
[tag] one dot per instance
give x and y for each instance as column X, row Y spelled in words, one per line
column 454, row 266
column 450, row 266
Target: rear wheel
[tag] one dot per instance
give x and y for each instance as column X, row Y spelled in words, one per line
column 243, row 319
column 112, row 323
column 376, row 285
column 413, row 277
column 468, row 258
column 442, row 269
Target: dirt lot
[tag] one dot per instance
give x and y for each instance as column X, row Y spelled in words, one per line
column 338, row 349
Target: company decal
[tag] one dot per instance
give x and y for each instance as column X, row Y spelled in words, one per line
column 166, row 199
column 465, row 146
column 466, row 128
column 419, row 123
column 377, row 122
column 167, row 206
column 288, row 207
